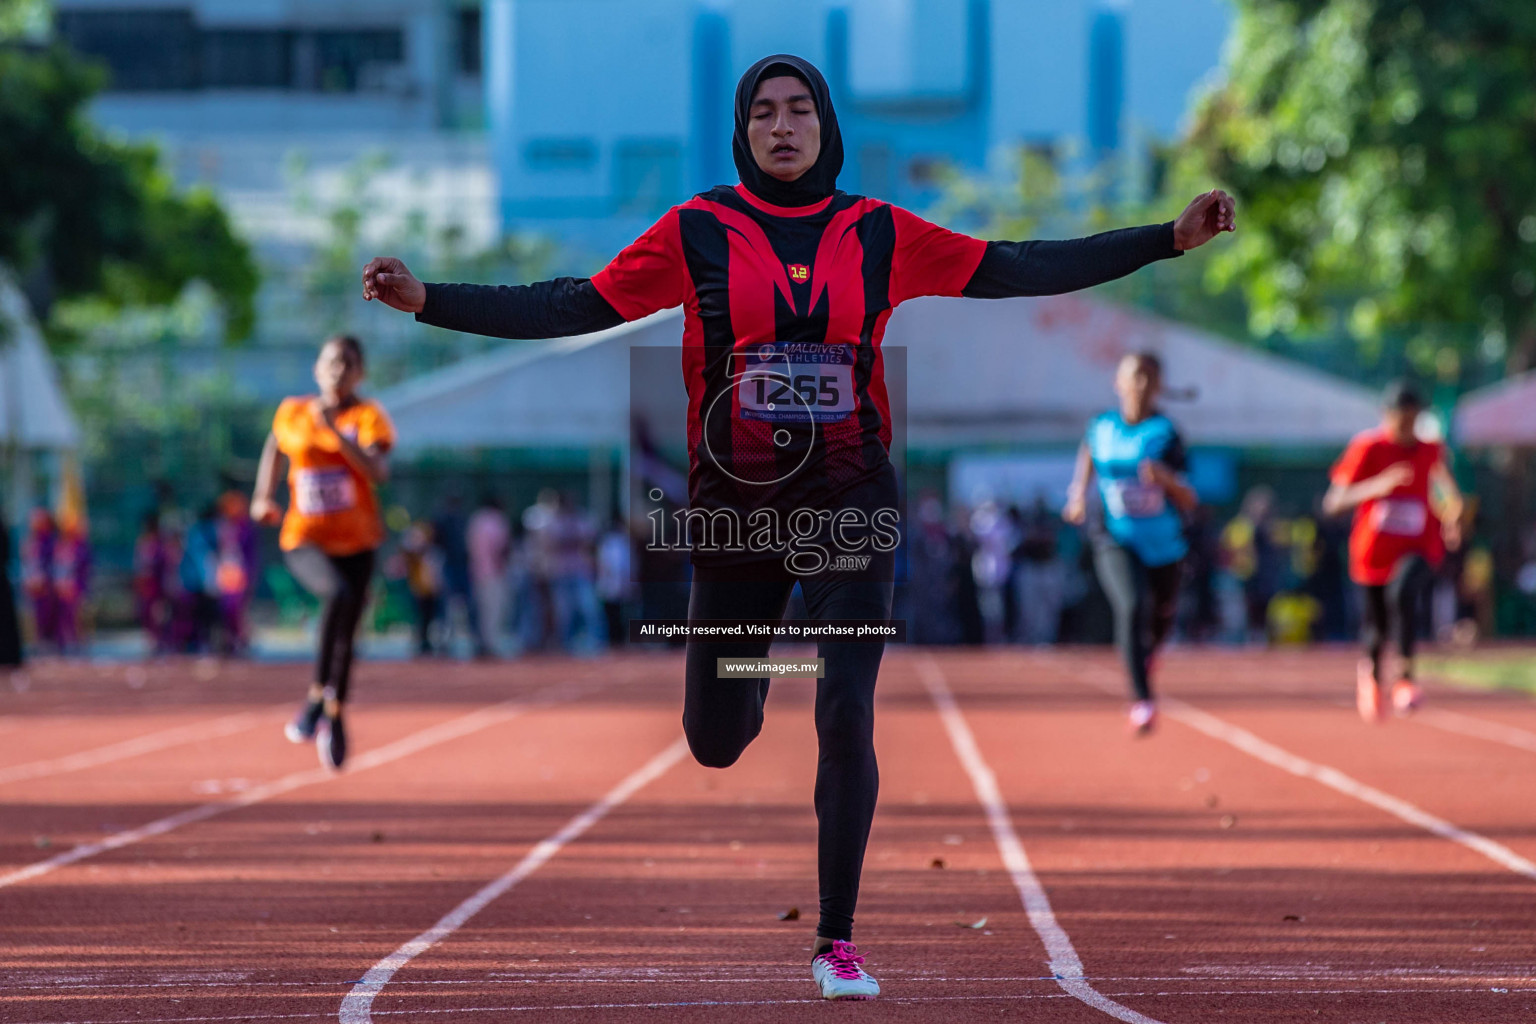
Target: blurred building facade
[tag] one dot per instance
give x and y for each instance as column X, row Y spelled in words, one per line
column 584, row 119
column 259, row 99
column 604, row 113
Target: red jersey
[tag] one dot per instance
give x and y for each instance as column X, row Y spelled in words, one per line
column 784, row 311
column 1404, row 522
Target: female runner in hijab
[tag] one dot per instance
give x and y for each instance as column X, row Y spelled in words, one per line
column 787, row 284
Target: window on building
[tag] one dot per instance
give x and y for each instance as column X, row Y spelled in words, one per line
column 245, row 59
column 356, row 60
column 468, row 36
column 909, row 49
column 648, row 175
column 144, row 50
column 559, row 154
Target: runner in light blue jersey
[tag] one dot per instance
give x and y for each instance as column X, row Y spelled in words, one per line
column 1138, row 459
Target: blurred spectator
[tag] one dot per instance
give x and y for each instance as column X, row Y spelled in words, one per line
column 572, row 576
column 37, row 554
column 71, row 581
column 236, row 572
column 994, row 540
column 449, row 533
column 1330, row 580
column 153, row 590
column 615, row 588
column 1474, row 618
column 1254, row 559
column 10, row 628
column 533, row 612
column 198, row 573
column 933, row 588
column 489, row 543
column 973, row 627
column 1199, row 617
column 1041, row 576
column 423, row 562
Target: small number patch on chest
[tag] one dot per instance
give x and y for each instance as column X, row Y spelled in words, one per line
column 799, row 273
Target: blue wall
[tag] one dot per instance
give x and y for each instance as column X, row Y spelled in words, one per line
column 606, row 112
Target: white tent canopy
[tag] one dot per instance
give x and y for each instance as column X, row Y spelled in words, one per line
column 33, row 411
column 1499, row 414
column 563, row 393
column 1035, row 370
column 1006, row 372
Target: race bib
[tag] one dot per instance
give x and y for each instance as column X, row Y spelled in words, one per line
column 319, row 492
column 1401, row 517
column 1132, row 499
column 796, row 382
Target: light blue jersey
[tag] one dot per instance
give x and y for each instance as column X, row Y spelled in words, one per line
column 1137, row 515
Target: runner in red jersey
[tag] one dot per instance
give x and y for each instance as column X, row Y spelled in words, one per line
column 786, row 285
column 1393, row 481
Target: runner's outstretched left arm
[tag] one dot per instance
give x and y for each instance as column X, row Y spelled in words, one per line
column 1009, row 269
column 930, row 260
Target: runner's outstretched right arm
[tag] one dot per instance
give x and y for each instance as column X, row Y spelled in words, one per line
column 647, row 276
column 547, row 309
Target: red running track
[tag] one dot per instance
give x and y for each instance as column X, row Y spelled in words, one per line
column 166, row 856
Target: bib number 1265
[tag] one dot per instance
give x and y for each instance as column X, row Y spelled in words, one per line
column 797, row 383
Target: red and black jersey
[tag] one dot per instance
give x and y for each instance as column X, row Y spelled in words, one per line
column 784, row 311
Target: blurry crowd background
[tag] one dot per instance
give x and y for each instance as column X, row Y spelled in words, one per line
column 991, row 574
column 482, row 580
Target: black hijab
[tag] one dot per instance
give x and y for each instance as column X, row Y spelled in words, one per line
column 820, row 179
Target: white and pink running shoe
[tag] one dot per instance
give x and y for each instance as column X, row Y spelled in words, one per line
column 1142, row 718
column 840, row 975
column 1406, row 697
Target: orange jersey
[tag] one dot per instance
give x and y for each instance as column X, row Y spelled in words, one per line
column 331, row 504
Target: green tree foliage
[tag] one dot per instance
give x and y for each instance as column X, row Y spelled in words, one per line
column 1383, row 154
column 88, row 217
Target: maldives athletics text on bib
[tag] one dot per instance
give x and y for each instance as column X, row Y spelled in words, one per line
column 795, row 382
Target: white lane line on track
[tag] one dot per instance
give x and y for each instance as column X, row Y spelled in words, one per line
column 1480, row 728
column 147, row 744
column 1334, row 779
column 795, row 977
column 903, row 1000
column 1064, row 962
column 357, row 1007
column 404, row 747
column 1263, row 750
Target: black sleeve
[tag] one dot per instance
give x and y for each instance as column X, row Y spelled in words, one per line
column 548, row 309
column 1009, row 269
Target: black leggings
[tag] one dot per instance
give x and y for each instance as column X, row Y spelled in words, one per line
column 1144, row 599
column 341, row 584
column 1393, row 608
column 722, row 716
